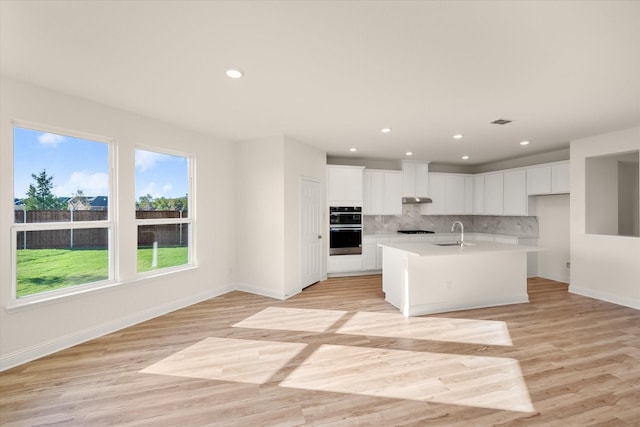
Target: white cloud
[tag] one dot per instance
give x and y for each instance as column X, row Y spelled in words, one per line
column 156, row 190
column 91, row 184
column 146, row 160
column 50, row 139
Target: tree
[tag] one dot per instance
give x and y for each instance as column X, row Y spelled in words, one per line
column 145, row 203
column 40, row 196
column 148, row 203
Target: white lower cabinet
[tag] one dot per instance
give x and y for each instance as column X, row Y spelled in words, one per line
column 344, row 263
column 369, row 254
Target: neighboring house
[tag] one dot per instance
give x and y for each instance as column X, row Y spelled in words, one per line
column 77, row 203
column 99, row 203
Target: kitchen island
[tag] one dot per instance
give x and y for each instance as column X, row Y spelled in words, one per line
column 424, row 278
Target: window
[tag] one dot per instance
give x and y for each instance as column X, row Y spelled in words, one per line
column 162, row 210
column 62, row 228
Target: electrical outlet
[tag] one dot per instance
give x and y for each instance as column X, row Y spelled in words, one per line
column 568, row 264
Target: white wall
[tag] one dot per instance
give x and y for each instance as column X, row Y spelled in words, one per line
column 259, row 215
column 553, row 236
column 604, row 267
column 268, row 212
column 601, row 201
column 30, row 332
column 301, row 160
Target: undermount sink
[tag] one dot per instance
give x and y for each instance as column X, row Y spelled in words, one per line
column 454, row 244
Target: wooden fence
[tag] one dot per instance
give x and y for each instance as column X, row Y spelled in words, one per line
column 97, row 238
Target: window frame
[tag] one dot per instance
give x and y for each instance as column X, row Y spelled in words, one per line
column 109, row 224
column 189, row 221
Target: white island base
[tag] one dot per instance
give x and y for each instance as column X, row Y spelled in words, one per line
column 423, row 278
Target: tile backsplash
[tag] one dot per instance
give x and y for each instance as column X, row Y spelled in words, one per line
column 411, row 219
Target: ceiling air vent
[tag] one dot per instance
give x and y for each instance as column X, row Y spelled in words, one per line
column 500, row 122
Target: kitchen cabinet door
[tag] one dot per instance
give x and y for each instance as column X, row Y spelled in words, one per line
column 382, row 192
column 454, row 196
column 560, row 178
column 369, row 254
column 468, row 195
column 539, row 180
column 478, row 195
column 515, row 192
column 493, row 194
column 415, row 179
column 345, row 185
column 437, row 193
column 392, row 194
column 373, row 197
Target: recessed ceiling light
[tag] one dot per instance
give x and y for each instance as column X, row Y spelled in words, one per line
column 353, row 150
column 524, row 143
column 385, row 130
column 234, row 73
column 465, row 157
column 457, row 136
column 409, row 153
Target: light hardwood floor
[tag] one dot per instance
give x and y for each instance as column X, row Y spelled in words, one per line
column 338, row 354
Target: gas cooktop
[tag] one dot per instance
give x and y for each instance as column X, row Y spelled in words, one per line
column 416, row 231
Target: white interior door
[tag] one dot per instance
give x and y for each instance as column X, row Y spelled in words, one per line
column 310, row 232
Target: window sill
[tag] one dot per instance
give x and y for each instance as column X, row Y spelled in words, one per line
column 15, row 305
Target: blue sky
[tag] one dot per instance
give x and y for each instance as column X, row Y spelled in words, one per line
column 79, row 164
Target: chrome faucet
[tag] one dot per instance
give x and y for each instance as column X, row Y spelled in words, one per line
column 453, row 227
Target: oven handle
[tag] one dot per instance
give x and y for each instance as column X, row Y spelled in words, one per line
column 345, row 229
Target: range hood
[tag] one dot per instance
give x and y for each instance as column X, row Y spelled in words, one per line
column 415, row 200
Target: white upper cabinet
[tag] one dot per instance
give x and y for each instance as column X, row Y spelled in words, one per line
column 382, row 192
column 451, row 194
column 345, row 185
column 560, row 181
column 468, row 195
column 478, row 195
column 437, row 193
column 515, row 192
column 552, row 178
column 539, row 180
column 392, row 202
column 494, row 193
column 454, row 196
column 415, row 179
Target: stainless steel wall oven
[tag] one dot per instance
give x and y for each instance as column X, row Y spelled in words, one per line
column 345, row 230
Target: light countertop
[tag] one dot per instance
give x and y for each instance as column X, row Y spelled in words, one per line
column 453, row 235
column 471, row 247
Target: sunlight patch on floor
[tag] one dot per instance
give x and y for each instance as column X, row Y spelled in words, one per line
column 485, row 382
column 469, row 331
column 292, row 319
column 226, row 359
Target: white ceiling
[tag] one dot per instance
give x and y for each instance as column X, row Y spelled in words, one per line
column 333, row 73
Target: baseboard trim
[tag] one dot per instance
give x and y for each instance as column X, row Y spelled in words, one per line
column 554, row 277
column 22, row 356
column 419, row 310
column 605, row 296
column 257, row 290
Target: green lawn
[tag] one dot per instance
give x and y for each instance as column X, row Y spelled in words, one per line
column 42, row 270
